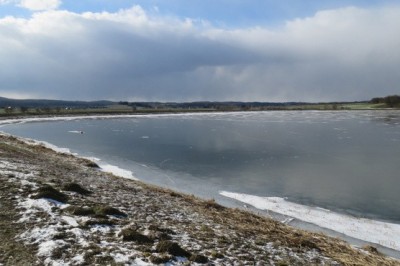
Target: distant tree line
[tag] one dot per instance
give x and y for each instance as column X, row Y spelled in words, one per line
column 390, row 101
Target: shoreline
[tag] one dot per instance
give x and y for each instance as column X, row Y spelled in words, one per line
column 272, row 237
column 273, row 213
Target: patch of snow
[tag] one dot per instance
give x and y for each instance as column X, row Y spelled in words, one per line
column 140, row 262
column 70, row 221
column 382, row 233
column 26, row 183
column 38, row 204
column 100, row 228
column 46, row 248
column 7, row 165
column 93, row 159
column 38, row 235
column 78, row 259
column 80, row 235
column 118, row 257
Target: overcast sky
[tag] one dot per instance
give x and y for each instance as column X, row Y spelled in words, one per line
column 182, row 50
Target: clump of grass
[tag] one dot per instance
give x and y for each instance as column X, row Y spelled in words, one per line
column 132, row 235
column 159, row 260
column 80, row 211
column 99, row 212
column 74, row 187
column 309, row 244
column 90, row 253
column 198, row 258
column 215, row 254
column 57, row 253
column 105, row 260
column 282, row 263
column 92, row 165
column 105, row 222
column 159, row 233
column 171, row 248
column 212, row 204
column 159, row 229
column 61, row 235
column 107, row 210
column 174, row 194
column 371, row 249
column 49, row 192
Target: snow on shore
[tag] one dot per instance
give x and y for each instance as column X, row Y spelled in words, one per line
column 382, row 233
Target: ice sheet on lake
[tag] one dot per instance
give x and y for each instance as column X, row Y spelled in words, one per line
column 382, row 233
column 117, row 171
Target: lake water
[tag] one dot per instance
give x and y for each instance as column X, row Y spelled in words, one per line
column 345, row 162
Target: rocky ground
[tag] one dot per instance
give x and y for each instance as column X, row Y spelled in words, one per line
column 56, row 209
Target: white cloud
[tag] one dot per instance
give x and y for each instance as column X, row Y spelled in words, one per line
column 343, row 54
column 38, row 5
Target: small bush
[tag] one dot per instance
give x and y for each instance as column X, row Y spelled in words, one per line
column 49, row 192
column 74, row 187
column 171, row 248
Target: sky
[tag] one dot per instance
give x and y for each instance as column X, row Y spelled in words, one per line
column 200, row 50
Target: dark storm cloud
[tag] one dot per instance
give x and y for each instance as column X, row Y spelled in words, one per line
column 344, row 54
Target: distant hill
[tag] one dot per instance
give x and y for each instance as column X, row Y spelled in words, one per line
column 14, row 106
column 33, row 103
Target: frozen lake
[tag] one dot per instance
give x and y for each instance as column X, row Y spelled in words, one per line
column 344, row 162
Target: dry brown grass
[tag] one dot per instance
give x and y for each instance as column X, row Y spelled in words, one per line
column 248, row 223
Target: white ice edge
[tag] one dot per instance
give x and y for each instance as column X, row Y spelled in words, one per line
column 105, row 167
column 83, row 117
column 115, row 170
column 382, row 233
